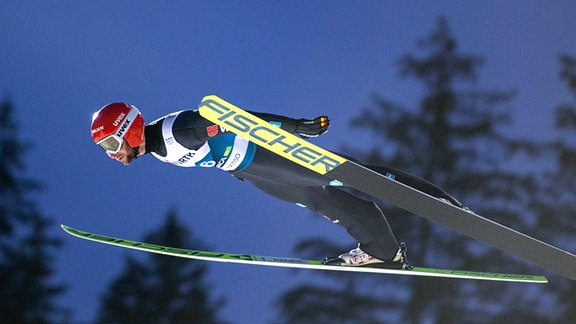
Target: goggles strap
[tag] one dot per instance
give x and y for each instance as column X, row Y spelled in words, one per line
column 126, row 123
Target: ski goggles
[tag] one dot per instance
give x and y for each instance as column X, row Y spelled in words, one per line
column 113, row 143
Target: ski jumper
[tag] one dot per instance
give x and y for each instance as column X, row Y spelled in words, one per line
column 188, row 140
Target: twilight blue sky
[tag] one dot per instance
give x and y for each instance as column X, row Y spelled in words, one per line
column 62, row 60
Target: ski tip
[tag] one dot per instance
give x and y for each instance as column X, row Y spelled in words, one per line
column 67, row 229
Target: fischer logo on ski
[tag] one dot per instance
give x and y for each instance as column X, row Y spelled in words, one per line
column 269, row 136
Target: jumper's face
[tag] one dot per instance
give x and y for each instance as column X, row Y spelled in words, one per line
column 126, row 154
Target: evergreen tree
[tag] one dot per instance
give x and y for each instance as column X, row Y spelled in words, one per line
column 26, row 259
column 554, row 204
column 163, row 289
column 454, row 139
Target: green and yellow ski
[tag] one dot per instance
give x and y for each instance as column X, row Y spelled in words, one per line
column 294, row 262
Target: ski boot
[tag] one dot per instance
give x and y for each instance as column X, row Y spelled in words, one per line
column 357, row 257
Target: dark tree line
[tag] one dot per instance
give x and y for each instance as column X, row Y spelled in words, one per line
column 27, row 293
column 162, row 289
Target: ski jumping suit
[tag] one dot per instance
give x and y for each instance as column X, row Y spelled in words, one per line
column 188, row 140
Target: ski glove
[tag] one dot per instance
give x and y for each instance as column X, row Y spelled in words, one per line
column 312, row 127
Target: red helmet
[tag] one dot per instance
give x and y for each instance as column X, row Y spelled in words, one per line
column 116, row 122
